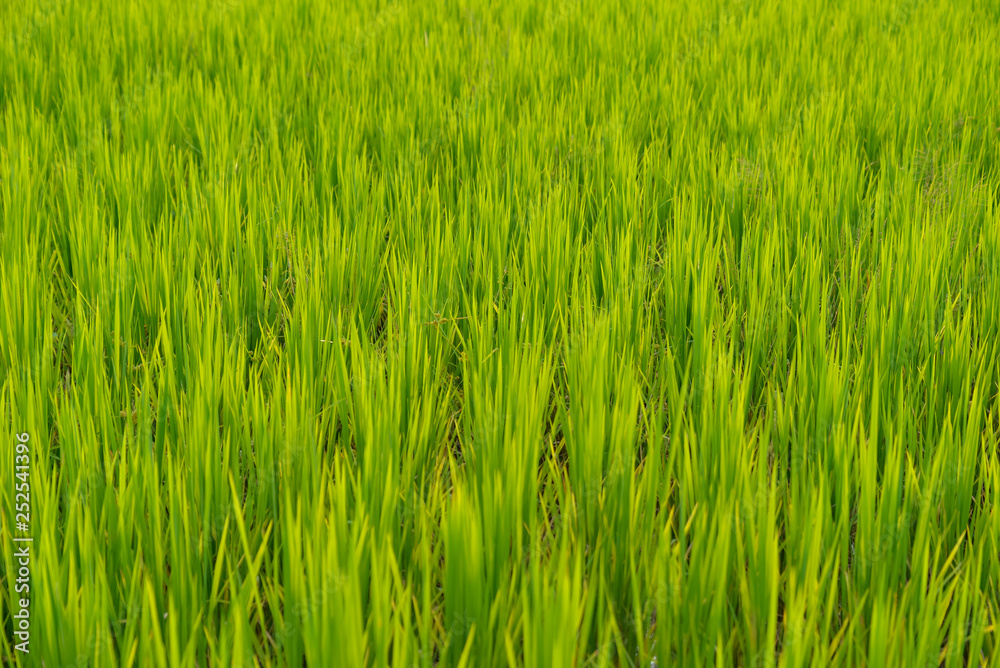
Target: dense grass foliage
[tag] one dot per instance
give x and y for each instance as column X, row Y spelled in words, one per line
column 481, row 334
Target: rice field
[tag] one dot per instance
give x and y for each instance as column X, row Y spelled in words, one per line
column 500, row 334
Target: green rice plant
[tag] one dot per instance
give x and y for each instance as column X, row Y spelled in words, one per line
column 569, row 334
